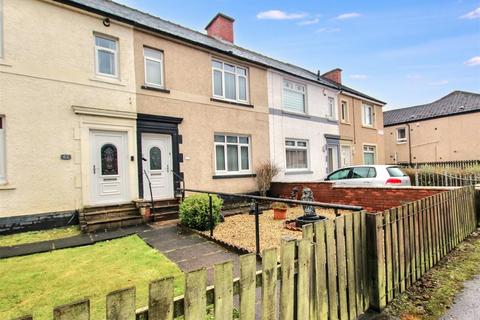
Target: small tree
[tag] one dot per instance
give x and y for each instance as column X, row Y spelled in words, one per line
column 265, row 174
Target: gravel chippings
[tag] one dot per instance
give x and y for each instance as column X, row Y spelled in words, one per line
column 239, row 229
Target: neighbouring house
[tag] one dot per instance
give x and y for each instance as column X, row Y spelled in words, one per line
column 121, row 106
column 360, row 125
column 443, row 130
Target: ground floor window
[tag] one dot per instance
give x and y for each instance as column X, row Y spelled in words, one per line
column 296, row 154
column 3, row 177
column 232, row 153
column 346, row 156
column 369, row 154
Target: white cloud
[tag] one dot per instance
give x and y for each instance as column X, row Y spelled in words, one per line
column 475, row 14
column 279, row 15
column 349, row 15
column 475, row 61
column 308, row 22
column 438, row 83
column 327, row 30
column 358, row 76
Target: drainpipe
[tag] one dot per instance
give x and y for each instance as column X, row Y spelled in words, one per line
column 409, row 143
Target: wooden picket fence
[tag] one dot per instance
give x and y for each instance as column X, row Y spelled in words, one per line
column 339, row 268
column 411, row 239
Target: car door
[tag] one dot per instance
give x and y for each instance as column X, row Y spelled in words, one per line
column 362, row 176
column 339, row 176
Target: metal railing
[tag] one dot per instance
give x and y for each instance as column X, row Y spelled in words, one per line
column 255, row 207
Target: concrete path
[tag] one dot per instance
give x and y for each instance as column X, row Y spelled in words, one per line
column 467, row 304
column 189, row 251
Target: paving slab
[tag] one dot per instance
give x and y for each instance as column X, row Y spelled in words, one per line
column 466, row 305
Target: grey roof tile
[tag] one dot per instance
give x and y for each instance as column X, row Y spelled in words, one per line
column 145, row 20
column 456, row 102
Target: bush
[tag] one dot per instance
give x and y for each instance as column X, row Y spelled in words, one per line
column 194, row 211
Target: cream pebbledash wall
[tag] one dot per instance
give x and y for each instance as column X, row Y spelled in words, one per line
column 451, row 138
column 312, row 126
column 356, row 135
column 188, row 77
column 47, row 68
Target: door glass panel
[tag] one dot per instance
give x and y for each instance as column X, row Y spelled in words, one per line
column 155, row 159
column 109, row 160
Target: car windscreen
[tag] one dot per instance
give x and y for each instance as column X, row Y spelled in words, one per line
column 395, row 172
column 364, row 172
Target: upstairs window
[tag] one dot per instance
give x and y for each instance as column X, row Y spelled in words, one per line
column 294, row 97
column 367, row 115
column 3, row 177
column 232, row 154
column 230, row 82
column 401, row 135
column 153, row 60
column 106, row 56
column 331, row 109
column 296, row 154
column 344, row 116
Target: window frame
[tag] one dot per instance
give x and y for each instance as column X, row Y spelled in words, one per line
column 115, row 53
column 372, row 115
column 304, row 92
column 162, row 68
column 239, row 152
column 237, row 86
column 374, row 153
column 296, row 148
column 401, row 140
column 3, row 150
column 346, row 119
column 331, row 109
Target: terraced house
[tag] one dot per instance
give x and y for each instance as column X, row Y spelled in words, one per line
column 122, row 106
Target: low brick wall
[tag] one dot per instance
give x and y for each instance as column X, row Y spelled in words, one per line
column 372, row 199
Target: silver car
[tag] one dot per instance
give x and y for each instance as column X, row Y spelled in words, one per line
column 370, row 175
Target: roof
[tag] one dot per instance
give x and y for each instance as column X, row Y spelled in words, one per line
column 140, row 19
column 457, row 102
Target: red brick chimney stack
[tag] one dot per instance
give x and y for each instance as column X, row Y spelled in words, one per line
column 334, row 75
column 221, row 27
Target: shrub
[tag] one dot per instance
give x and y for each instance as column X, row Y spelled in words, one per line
column 265, row 174
column 194, row 211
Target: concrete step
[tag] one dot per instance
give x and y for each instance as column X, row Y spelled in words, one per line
column 107, row 214
column 113, row 223
column 88, row 209
column 167, row 215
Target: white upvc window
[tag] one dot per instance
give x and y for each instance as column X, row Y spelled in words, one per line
column 294, row 97
column 296, row 154
column 153, row 63
column 344, row 116
column 229, row 81
column 401, row 135
column 3, row 158
column 369, row 154
column 331, row 111
column 232, row 154
column 106, row 56
column 368, row 117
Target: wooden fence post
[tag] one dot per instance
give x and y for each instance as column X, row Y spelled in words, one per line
column 74, row 311
column 223, row 275
column 269, row 283
column 376, row 257
column 248, row 264
column 287, row 289
column 160, row 299
column 303, row 279
column 331, row 270
column 121, row 304
column 321, row 270
column 195, row 298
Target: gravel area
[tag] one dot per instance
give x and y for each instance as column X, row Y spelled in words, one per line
column 239, row 230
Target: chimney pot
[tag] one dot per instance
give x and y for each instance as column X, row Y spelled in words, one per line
column 221, row 27
column 334, row 75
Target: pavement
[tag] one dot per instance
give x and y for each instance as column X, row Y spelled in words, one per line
column 466, row 305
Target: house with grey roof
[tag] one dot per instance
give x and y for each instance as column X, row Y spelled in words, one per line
column 447, row 129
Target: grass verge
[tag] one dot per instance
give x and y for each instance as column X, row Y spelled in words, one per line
column 37, row 236
column 431, row 296
column 35, row 284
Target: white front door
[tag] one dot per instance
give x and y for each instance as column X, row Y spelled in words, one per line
column 332, row 155
column 157, row 166
column 109, row 167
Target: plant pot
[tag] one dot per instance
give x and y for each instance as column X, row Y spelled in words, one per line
column 279, row 214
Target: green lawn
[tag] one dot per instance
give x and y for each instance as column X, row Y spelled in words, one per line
column 37, row 236
column 35, row 284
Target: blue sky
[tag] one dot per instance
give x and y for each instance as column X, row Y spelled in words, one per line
column 405, row 52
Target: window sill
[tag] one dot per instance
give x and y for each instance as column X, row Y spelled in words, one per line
column 401, row 142
column 297, row 114
column 4, row 64
column 346, row 122
column 232, row 102
column 7, row 186
column 332, row 120
column 113, row 81
column 288, row 173
column 233, row 176
column 368, row 127
column 146, row 87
